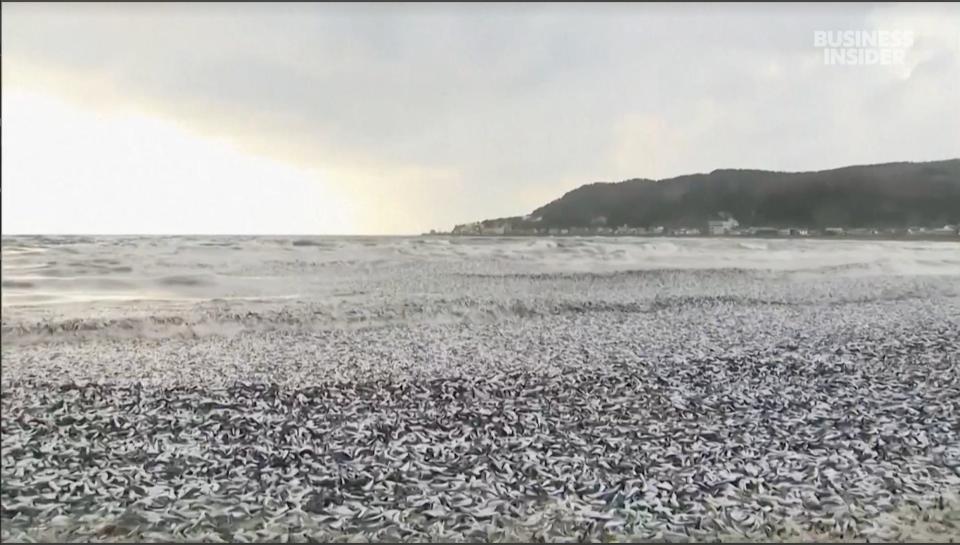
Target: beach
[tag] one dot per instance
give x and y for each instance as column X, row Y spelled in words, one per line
column 465, row 389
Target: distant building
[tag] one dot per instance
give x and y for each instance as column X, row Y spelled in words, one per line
column 764, row 231
column 793, row 232
column 722, row 226
column 946, row 230
column 833, row 231
column 631, row 231
column 494, row 230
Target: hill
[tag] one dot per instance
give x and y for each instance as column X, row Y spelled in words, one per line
column 884, row 195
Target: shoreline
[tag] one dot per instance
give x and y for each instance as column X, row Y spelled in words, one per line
column 904, row 238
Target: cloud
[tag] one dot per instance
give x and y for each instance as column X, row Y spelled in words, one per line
column 127, row 173
column 429, row 114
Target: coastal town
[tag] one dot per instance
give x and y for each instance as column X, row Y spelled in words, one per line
column 724, row 225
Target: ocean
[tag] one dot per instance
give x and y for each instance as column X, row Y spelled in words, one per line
column 169, row 272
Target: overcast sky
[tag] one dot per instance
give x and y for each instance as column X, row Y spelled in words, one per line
column 391, row 119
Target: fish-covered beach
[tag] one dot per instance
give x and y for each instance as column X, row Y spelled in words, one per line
column 471, row 389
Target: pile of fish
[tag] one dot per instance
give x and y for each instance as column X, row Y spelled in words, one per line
column 676, row 406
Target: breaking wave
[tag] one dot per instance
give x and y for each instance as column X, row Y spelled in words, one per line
column 196, row 286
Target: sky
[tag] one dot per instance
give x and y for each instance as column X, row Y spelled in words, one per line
column 399, row 118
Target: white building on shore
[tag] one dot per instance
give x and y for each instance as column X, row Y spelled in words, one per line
column 722, row 226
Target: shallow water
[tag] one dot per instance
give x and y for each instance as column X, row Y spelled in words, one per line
column 61, row 270
column 196, row 286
